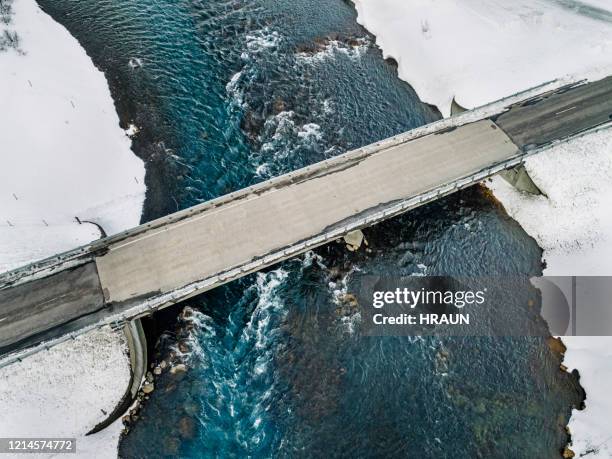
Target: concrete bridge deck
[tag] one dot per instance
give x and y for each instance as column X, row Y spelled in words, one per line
column 197, row 249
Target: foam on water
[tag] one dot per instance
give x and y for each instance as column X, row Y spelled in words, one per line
column 333, row 49
column 262, row 40
column 233, row 362
column 282, row 139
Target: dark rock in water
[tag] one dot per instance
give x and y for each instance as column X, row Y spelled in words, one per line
column 179, row 368
column 441, row 362
column 279, row 106
column 406, row 259
column 321, row 43
column 251, row 124
column 317, row 45
column 556, row 345
column 148, row 387
column 350, row 300
column 187, row 428
column 353, row 41
column 335, row 274
column 171, row 446
column 568, row 453
column 170, row 388
column 304, row 48
column 480, row 407
column 191, row 408
column 349, row 305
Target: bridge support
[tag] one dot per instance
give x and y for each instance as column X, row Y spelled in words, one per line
column 137, row 345
column 456, row 109
column 519, row 178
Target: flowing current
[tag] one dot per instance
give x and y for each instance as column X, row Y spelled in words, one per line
column 227, row 93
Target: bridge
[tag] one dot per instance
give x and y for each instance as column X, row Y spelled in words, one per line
column 165, row 261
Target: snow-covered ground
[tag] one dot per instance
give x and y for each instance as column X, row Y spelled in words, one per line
column 62, row 155
column 66, row 391
column 573, row 221
column 590, row 428
column 479, row 51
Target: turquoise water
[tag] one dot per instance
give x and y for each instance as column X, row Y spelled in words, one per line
column 228, row 93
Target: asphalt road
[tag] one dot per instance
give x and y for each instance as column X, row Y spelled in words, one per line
column 32, row 308
column 558, row 115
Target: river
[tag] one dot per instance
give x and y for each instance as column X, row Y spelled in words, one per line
column 227, row 93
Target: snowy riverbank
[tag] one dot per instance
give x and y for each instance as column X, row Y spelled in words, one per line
column 62, row 156
column 482, row 50
column 573, row 225
column 66, row 391
column 63, row 153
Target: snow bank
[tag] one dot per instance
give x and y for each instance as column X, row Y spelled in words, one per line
column 481, row 50
column 573, row 224
column 590, row 428
column 62, row 152
column 66, row 391
column 62, row 155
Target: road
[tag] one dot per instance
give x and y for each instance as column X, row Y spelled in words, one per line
column 558, row 115
column 29, row 309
